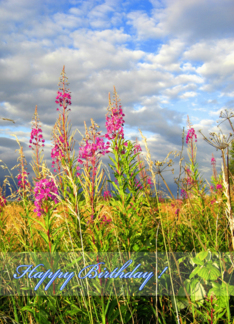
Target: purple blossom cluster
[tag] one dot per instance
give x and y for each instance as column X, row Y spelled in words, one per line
column 189, row 181
column 138, row 184
column 137, row 149
column 105, row 220
column 60, row 99
column 184, row 194
column 88, row 151
column 191, row 133
column 213, row 161
column 37, row 137
column 106, row 195
column 44, row 189
column 22, row 181
column 149, row 181
column 114, row 123
column 59, row 145
column 218, row 186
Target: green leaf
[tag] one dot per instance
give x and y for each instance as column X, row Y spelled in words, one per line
column 202, row 255
column 136, row 247
column 181, row 259
column 231, row 290
column 209, row 272
column 220, row 315
column 194, row 272
column 44, row 236
column 198, row 292
column 196, row 260
column 221, row 294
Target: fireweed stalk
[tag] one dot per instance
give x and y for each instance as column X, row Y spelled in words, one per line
column 125, row 172
column 216, row 181
column 124, row 152
column 46, row 201
column 35, row 139
column 25, row 189
column 192, row 156
column 91, row 149
column 193, row 179
column 126, row 206
column 63, row 142
column 213, row 163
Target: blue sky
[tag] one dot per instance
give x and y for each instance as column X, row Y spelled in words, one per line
column 167, row 59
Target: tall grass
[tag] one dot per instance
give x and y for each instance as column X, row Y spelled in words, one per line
column 66, row 211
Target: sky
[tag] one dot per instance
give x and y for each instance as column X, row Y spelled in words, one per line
column 168, row 59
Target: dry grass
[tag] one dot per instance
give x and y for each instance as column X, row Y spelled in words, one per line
column 15, row 222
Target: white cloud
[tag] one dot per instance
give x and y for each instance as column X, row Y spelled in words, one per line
column 146, row 26
column 216, row 113
column 230, row 94
column 199, row 109
column 189, row 94
column 191, row 21
column 217, row 58
column 156, row 59
column 139, row 111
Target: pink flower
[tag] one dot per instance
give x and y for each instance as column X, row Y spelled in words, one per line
column 114, row 123
column 213, row 161
column 184, row 194
column 88, row 151
column 63, row 98
column 149, row 181
column 106, row 195
column 60, row 145
column 137, row 149
column 219, row 186
column 22, row 180
column 35, row 136
column 191, row 133
column 44, row 189
column 105, row 220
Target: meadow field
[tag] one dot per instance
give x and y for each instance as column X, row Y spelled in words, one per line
column 78, row 208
